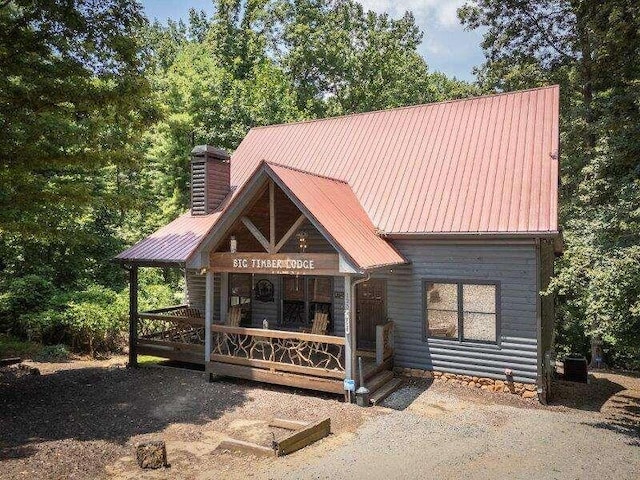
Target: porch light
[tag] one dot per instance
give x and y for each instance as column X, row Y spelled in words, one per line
column 233, row 244
column 302, row 240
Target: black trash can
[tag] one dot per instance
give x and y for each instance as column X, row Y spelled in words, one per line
column 575, row 369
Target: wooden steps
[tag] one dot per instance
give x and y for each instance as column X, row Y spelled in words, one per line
column 384, row 391
column 379, row 380
column 381, row 385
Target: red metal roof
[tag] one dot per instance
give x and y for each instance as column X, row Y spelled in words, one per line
column 482, row 165
column 173, row 243
column 337, row 211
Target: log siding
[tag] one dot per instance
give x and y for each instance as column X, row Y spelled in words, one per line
column 514, row 267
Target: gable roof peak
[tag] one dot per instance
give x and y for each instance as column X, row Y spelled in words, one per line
column 299, row 170
column 486, row 96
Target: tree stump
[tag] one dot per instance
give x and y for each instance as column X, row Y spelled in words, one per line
column 152, row 454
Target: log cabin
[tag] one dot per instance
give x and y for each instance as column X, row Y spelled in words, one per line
column 417, row 238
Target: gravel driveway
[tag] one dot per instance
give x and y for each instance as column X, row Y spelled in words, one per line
column 82, row 420
column 448, row 435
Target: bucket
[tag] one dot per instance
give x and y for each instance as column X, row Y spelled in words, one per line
column 362, row 394
column 362, row 397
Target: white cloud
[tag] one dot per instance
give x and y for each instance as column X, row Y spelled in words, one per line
column 441, row 12
column 447, row 14
column 435, row 48
column 447, row 47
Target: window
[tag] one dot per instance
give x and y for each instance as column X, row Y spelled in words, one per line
column 463, row 311
column 302, row 297
column 479, row 312
column 240, row 287
column 442, row 309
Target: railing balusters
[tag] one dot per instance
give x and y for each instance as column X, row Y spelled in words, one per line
column 321, row 355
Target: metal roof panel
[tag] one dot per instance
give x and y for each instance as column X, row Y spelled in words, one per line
column 485, row 164
column 479, row 165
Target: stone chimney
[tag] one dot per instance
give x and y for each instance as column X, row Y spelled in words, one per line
column 210, row 178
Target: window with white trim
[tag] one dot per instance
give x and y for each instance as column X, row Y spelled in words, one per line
column 463, row 311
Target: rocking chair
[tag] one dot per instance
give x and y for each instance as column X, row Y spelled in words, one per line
column 234, row 316
column 320, row 324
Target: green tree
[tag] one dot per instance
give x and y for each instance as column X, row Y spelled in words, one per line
column 72, row 107
column 342, row 59
column 592, row 49
column 207, row 95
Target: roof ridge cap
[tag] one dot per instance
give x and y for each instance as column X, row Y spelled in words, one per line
column 295, row 169
column 405, row 107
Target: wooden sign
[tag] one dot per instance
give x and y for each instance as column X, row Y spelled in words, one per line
column 276, row 263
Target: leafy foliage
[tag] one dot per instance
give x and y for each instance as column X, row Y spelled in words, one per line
column 592, row 49
column 72, row 106
column 99, row 110
column 53, row 353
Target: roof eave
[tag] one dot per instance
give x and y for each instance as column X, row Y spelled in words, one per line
column 333, row 241
column 472, row 235
column 141, row 262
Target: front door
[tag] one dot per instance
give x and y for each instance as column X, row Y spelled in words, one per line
column 371, row 310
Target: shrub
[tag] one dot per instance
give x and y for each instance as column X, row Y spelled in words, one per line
column 20, row 296
column 599, row 297
column 96, row 319
column 92, row 320
column 53, row 353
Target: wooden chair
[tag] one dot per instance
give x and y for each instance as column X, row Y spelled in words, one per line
column 320, row 324
column 185, row 331
column 189, row 312
column 234, row 316
column 225, row 341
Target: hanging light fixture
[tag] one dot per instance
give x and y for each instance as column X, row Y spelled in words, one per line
column 233, row 244
column 302, row 241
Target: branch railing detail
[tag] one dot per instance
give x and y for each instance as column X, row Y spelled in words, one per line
column 304, row 353
column 178, row 324
column 384, row 341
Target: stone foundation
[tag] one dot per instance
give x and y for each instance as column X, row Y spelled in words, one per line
column 525, row 390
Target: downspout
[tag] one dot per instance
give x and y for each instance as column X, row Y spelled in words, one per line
column 357, row 282
column 540, row 353
column 352, row 320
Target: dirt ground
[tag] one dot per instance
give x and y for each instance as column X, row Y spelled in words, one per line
column 83, row 419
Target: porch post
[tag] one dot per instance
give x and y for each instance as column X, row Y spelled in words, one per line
column 224, row 296
column 208, row 316
column 133, row 316
column 349, row 330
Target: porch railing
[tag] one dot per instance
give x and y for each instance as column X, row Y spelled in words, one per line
column 179, row 323
column 384, row 342
column 275, row 350
column 175, row 332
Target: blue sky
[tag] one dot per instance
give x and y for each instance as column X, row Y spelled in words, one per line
column 446, row 46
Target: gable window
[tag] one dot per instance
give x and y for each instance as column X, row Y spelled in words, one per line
column 463, row 311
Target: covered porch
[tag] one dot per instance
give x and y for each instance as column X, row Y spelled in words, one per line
column 281, row 355
column 273, row 288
